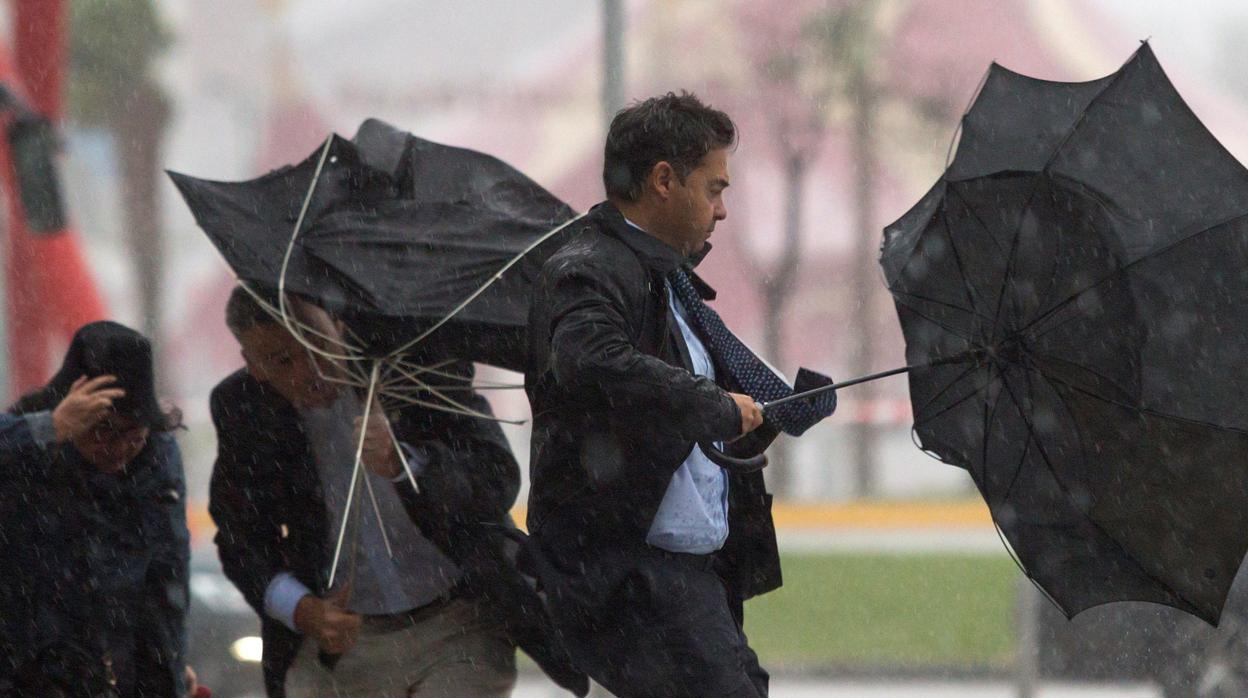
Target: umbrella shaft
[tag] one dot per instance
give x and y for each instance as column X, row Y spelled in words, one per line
column 861, row 379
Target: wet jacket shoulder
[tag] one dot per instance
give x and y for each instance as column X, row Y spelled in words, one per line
column 598, row 332
column 121, row 540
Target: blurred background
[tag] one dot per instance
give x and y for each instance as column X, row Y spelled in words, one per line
column 896, row 582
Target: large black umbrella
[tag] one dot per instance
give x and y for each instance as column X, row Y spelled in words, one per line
column 411, row 241
column 1072, row 295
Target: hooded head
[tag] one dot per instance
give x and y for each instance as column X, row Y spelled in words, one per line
column 108, row 348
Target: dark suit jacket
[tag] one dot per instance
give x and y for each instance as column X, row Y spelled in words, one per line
column 616, row 408
column 267, row 503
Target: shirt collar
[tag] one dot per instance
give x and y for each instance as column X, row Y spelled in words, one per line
column 652, row 251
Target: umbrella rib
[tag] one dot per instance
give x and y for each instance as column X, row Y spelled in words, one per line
column 1144, row 410
column 1045, row 171
column 933, row 301
column 1008, row 278
column 443, row 408
column 355, row 472
column 1129, row 266
column 953, row 405
column 966, row 284
column 1048, row 462
column 497, row 275
column 1022, row 460
column 934, row 321
column 941, row 393
column 276, row 313
column 464, row 408
column 1081, row 367
column 990, row 415
column 975, row 214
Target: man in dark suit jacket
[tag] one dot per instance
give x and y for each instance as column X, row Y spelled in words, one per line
column 438, row 570
column 653, row 548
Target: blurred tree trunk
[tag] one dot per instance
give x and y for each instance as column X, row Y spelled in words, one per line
column 139, row 139
column 777, row 288
column 113, row 48
column 863, row 101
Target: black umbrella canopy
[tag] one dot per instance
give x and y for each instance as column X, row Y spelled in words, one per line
column 458, row 218
column 251, row 223
column 399, row 233
column 1072, row 289
column 408, row 265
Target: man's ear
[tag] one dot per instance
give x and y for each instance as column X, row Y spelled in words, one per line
column 662, row 179
column 249, row 365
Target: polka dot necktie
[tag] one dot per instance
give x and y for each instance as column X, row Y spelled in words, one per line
column 755, row 378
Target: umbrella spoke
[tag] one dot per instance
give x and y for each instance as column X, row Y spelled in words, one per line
column 473, row 296
column 952, row 405
column 1057, row 479
column 941, row 393
column 990, row 417
column 951, row 330
column 356, row 471
column 1130, row 266
column 967, row 285
column 445, row 408
column 933, row 301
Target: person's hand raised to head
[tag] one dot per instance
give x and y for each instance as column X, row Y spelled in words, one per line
column 85, row 405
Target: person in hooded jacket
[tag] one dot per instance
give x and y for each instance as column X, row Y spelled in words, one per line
column 94, row 546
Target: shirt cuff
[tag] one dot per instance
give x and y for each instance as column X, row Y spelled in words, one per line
column 42, row 430
column 281, row 597
column 417, row 458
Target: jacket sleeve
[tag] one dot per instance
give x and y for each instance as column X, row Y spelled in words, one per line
column 592, row 355
column 248, row 538
column 469, row 469
column 22, row 453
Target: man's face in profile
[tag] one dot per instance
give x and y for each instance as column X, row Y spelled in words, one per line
column 276, row 358
column 697, row 204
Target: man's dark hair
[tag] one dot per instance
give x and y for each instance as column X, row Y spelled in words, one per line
column 243, row 311
column 678, row 129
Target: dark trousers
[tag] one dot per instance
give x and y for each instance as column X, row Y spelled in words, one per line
column 651, row 624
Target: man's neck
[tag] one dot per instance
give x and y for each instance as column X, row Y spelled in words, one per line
column 640, row 216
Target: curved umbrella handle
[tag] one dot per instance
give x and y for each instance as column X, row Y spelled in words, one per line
column 737, row 466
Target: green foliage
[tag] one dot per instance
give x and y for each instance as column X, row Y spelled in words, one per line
column 843, row 609
column 113, row 44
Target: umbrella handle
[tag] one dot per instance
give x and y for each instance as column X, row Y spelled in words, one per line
column 737, row 466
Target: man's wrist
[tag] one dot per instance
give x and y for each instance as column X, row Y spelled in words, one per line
column 282, row 598
column 305, row 614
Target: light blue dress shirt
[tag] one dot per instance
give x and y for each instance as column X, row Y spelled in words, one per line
column 417, row 574
column 693, row 516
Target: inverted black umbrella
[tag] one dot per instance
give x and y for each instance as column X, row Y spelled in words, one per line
column 1071, row 293
column 412, row 242
column 427, row 251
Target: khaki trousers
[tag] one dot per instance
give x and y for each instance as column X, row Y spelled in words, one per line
column 453, row 652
